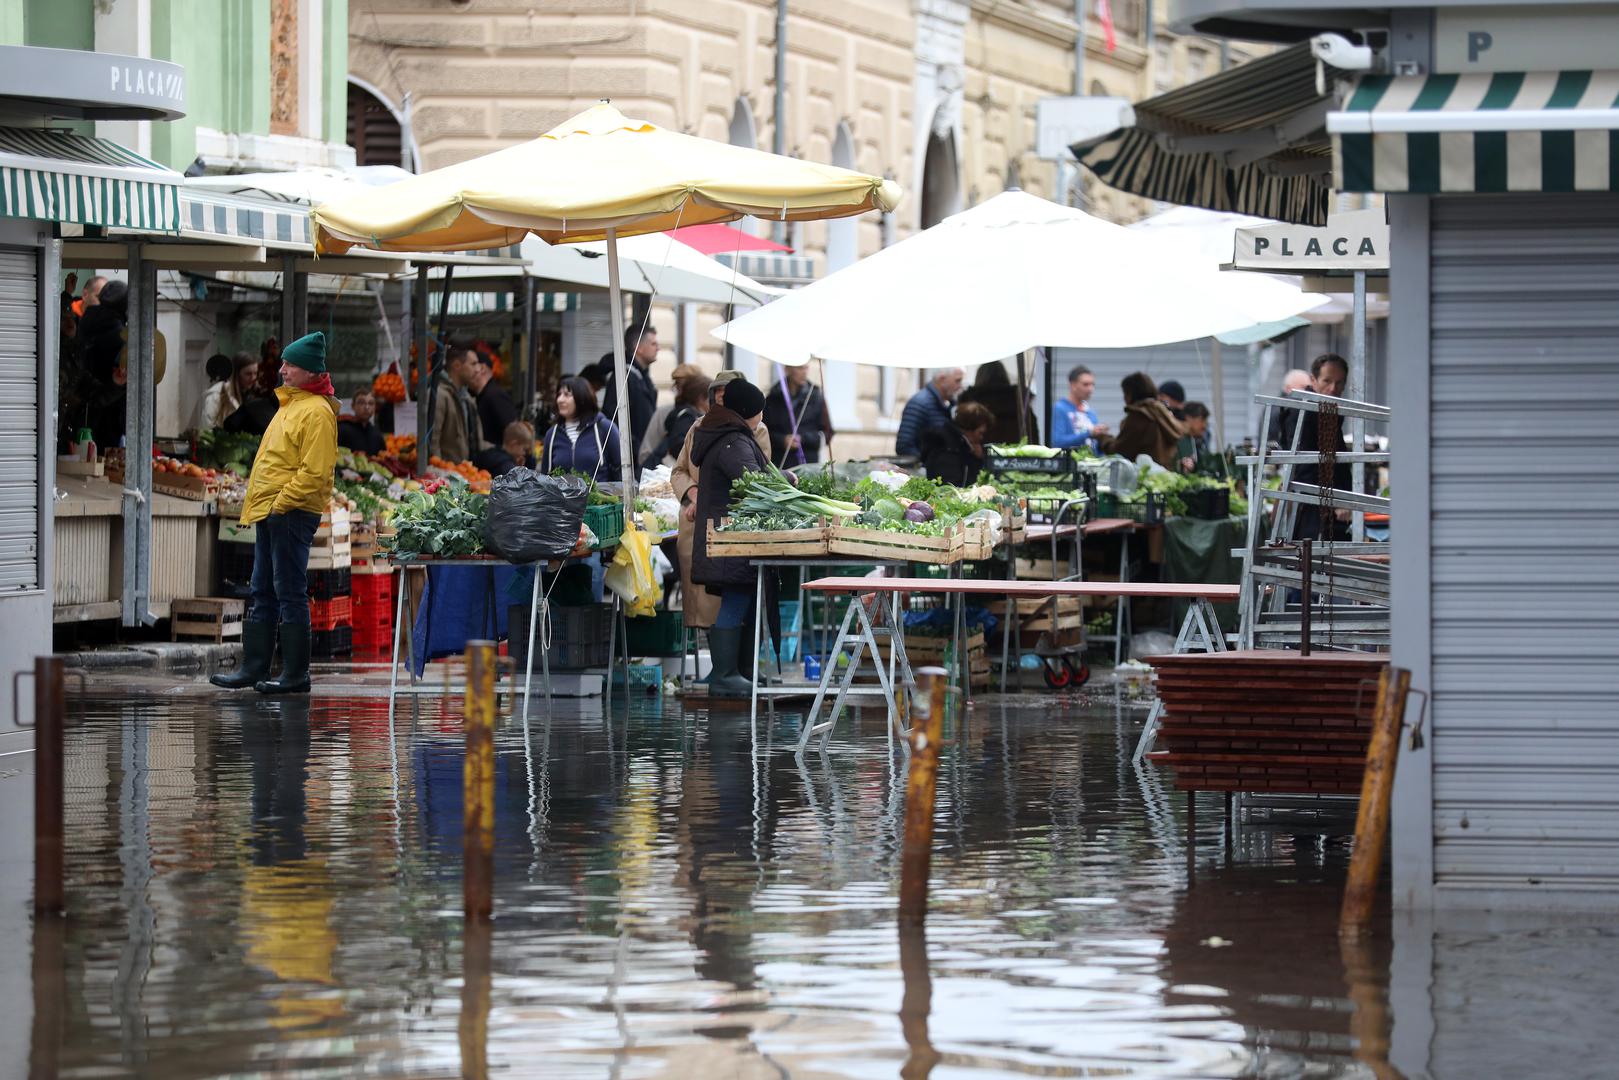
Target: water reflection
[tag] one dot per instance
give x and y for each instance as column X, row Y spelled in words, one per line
column 276, row 885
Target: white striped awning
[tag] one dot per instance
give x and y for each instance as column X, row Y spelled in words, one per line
column 233, row 216
column 770, row 267
column 1248, row 141
column 77, row 179
column 1548, row 131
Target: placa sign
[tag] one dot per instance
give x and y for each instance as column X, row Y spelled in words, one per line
column 1356, row 240
column 1528, row 37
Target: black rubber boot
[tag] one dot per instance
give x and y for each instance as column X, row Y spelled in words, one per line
column 294, row 677
column 724, row 647
column 258, row 648
column 745, row 658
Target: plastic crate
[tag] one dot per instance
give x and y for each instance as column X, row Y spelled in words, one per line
column 662, row 634
column 327, row 614
column 642, row 676
column 1150, row 512
column 325, row 644
column 325, row 584
column 607, row 522
column 1060, row 464
column 579, row 635
column 1212, row 504
column 373, row 638
column 373, row 601
column 235, row 563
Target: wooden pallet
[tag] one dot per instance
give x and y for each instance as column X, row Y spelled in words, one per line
column 206, row 618
column 787, row 543
column 1266, row 720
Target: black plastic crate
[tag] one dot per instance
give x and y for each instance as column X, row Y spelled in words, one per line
column 330, row 584
column 1058, row 465
column 579, row 635
column 325, row 644
column 1212, row 504
column 235, row 563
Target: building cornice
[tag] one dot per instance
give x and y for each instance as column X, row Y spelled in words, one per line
column 1055, row 31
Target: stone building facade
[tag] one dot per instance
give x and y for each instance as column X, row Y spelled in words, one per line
column 938, row 94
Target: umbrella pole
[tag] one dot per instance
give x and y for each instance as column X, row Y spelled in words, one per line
column 621, row 373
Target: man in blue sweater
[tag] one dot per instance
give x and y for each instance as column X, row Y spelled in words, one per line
column 928, row 408
column 1073, row 422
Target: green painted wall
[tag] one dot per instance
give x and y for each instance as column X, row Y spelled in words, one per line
column 224, row 46
column 335, row 66
column 13, row 25
column 53, row 24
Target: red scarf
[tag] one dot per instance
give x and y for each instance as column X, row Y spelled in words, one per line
column 322, row 386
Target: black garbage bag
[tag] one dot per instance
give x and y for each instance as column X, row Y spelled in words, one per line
column 532, row 516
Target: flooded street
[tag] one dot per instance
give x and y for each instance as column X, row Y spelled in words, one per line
column 273, row 887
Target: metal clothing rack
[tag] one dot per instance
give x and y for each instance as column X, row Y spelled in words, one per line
column 1348, row 590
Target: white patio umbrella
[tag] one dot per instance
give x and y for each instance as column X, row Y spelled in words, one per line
column 1011, row 274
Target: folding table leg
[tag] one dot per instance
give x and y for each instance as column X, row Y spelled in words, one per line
column 399, row 630
column 528, row 656
column 828, row 666
column 835, row 710
column 758, row 618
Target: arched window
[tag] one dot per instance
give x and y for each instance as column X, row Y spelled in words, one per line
column 743, row 132
column 375, row 131
column 941, row 184
column 843, row 234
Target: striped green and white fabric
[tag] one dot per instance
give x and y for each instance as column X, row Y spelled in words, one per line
column 1544, row 131
column 56, row 176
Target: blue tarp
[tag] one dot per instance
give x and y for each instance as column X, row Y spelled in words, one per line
column 466, row 603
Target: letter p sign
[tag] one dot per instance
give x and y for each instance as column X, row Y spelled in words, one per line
column 1478, row 41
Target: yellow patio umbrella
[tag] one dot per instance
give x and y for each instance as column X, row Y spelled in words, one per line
column 598, row 176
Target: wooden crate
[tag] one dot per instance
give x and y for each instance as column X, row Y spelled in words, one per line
column 724, row 544
column 896, row 547
column 1035, row 614
column 208, row 618
column 69, row 466
column 362, row 545
column 335, row 555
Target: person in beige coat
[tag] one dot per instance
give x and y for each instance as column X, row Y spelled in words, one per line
column 701, row 606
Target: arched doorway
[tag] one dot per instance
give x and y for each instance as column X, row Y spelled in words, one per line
column 842, row 249
column 375, row 130
column 941, row 181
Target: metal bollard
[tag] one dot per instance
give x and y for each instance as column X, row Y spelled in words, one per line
column 49, row 892
column 916, row 858
column 1376, row 791
column 476, row 986
column 478, row 784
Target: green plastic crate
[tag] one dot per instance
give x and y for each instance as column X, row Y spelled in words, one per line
column 662, row 634
column 607, row 522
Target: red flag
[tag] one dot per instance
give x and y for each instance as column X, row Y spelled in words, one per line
column 1104, row 11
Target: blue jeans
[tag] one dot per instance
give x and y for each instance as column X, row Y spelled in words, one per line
column 735, row 605
column 280, row 567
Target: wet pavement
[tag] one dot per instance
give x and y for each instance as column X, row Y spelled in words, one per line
column 273, row 887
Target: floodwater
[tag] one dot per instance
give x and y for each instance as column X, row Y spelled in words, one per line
column 273, row 887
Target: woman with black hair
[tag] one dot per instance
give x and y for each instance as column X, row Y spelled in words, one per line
column 582, row 440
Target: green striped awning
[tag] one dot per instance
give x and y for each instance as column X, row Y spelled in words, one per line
column 56, row 176
column 1547, row 131
column 1249, row 140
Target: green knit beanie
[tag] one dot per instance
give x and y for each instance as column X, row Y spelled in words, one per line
column 308, row 352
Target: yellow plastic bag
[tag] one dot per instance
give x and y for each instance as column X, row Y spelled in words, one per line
column 630, row 576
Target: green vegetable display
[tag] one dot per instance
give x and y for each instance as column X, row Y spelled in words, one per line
column 233, row 450
column 447, row 523
column 597, row 496
column 1171, row 488
column 768, row 495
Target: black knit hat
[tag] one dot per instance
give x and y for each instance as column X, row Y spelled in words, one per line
column 744, row 399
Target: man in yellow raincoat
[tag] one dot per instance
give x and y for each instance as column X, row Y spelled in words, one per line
column 286, row 495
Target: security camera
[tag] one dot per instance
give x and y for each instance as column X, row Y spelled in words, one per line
column 1337, row 51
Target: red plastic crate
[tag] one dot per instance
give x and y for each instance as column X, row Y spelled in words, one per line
column 371, row 588
column 330, row 614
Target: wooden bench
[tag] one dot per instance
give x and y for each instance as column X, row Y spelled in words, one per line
column 1200, row 627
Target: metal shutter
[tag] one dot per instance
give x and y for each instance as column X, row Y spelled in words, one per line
column 19, row 421
column 1525, row 541
column 1190, row 362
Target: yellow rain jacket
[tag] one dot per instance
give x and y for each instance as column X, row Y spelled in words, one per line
column 293, row 468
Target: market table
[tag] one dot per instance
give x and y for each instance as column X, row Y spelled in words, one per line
column 1200, row 626
column 539, row 612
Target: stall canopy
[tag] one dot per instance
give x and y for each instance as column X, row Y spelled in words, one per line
column 1549, row 131
column 1250, row 140
column 77, row 179
column 1011, row 274
column 597, row 176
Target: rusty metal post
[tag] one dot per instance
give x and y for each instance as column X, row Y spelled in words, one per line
column 916, row 1004
column 478, row 783
column 916, row 857
column 49, row 892
column 1307, row 566
column 476, row 984
column 1376, row 789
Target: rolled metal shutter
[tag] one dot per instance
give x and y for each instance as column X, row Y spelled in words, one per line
column 1189, row 362
column 19, row 420
column 1525, row 542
